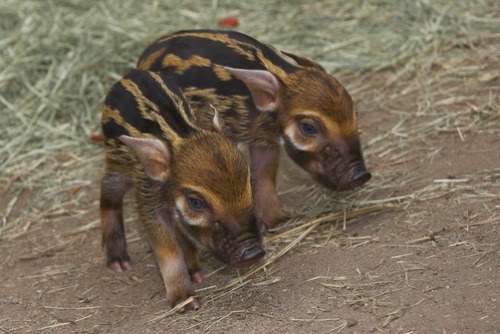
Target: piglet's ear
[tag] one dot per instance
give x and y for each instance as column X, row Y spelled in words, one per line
column 263, row 86
column 217, row 121
column 153, row 154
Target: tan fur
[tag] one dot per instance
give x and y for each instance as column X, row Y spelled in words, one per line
column 153, row 144
column 146, row 63
column 265, row 97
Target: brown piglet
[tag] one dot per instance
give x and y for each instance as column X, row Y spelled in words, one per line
column 192, row 186
column 266, row 97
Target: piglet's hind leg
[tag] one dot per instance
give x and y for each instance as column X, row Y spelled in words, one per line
column 113, row 188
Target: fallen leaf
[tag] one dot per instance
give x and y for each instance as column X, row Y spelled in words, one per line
column 97, row 137
column 228, row 22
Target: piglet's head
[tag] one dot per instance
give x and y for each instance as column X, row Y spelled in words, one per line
column 318, row 121
column 207, row 181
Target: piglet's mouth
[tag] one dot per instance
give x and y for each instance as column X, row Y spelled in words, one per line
column 357, row 176
column 238, row 251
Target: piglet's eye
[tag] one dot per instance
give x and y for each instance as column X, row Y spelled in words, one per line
column 308, row 129
column 196, row 204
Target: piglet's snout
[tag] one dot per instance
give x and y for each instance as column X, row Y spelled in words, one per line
column 249, row 255
column 359, row 177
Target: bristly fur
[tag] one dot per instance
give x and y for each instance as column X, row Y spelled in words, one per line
column 153, row 144
column 265, row 95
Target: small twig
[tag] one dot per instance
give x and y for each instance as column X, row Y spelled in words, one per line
column 484, row 222
column 173, row 310
column 398, row 313
column 431, row 237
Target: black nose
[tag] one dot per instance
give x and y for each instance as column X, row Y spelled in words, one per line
column 360, row 177
column 250, row 255
column 256, row 251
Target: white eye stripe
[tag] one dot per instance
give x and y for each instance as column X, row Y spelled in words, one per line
column 291, row 134
column 181, row 205
column 194, row 222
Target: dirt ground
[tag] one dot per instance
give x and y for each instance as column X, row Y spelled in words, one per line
column 429, row 265
column 427, row 261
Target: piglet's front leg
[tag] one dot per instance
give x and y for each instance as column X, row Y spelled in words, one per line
column 191, row 258
column 173, row 268
column 264, row 166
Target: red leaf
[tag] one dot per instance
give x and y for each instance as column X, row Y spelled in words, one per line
column 97, row 137
column 228, row 22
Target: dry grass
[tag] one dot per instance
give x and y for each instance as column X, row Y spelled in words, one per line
column 57, row 60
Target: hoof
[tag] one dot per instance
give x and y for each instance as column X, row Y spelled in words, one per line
column 196, row 277
column 191, row 306
column 119, row 266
